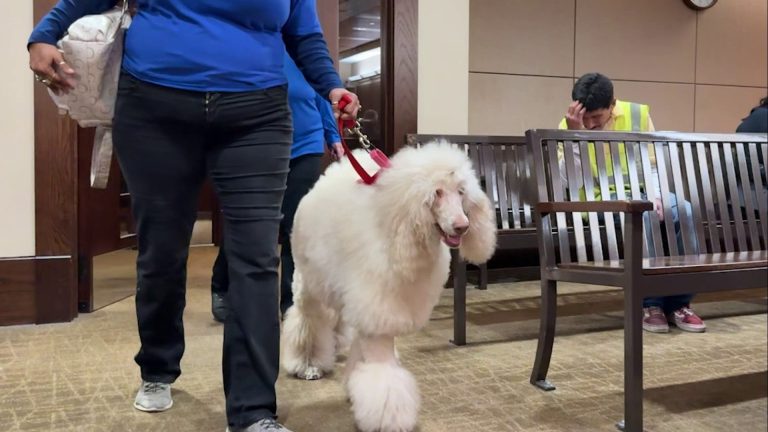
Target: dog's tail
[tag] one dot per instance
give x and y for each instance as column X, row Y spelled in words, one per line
column 296, row 342
column 385, row 397
column 307, row 342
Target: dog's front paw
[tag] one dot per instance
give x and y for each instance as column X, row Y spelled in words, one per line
column 385, row 398
column 310, row 373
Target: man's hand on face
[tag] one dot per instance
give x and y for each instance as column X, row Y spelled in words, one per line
column 574, row 118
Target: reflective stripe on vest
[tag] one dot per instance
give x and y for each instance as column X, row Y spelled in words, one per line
column 635, row 110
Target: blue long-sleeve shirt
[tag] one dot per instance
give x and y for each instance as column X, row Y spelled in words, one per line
column 212, row 45
column 313, row 120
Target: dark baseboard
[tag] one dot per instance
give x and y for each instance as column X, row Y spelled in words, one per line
column 17, row 291
column 37, row 290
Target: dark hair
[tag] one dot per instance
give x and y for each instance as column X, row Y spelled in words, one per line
column 762, row 104
column 594, row 91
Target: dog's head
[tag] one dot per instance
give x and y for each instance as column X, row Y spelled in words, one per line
column 448, row 211
column 438, row 196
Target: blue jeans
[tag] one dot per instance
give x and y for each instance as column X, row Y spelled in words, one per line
column 671, row 303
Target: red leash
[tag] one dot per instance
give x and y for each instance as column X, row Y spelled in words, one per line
column 377, row 155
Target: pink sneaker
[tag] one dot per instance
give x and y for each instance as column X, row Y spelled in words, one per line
column 654, row 320
column 686, row 319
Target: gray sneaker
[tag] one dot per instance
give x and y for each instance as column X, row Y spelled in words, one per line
column 263, row 425
column 153, row 397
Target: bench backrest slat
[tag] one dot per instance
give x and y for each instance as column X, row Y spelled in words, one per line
column 748, row 200
column 557, row 194
column 733, row 194
column 693, row 187
column 708, row 197
column 605, row 190
column 718, row 172
column 758, row 176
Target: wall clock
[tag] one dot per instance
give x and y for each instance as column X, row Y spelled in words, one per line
column 699, row 4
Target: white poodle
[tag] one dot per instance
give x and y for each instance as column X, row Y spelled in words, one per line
column 371, row 262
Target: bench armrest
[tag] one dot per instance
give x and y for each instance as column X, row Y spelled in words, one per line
column 594, row 206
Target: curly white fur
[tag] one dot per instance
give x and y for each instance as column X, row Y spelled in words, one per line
column 374, row 258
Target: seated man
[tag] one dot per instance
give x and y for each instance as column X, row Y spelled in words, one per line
column 595, row 108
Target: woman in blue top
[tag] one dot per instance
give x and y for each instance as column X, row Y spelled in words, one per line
column 314, row 126
column 203, row 92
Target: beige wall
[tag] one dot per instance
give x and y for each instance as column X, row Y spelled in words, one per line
column 443, row 66
column 17, row 183
column 698, row 71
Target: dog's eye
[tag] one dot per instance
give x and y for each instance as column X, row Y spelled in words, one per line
column 439, row 193
column 461, row 191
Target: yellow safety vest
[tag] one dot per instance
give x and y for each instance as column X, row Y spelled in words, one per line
column 634, row 119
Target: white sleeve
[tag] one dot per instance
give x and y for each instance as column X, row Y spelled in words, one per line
column 577, row 164
column 654, row 167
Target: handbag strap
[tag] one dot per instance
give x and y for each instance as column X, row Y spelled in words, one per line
column 129, row 7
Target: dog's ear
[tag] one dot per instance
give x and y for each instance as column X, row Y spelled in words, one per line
column 479, row 242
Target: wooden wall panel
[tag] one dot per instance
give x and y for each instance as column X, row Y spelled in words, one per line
column 648, row 40
column 511, row 104
column 17, row 291
column 399, row 47
column 55, row 196
column 721, row 108
column 496, row 45
column 55, row 294
column 36, row 290
column 732, row 44
column 671, row 104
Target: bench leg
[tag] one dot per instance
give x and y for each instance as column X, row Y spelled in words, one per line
column 483, row 278
column 546, row 335
column 459, row 299
column 633, row 361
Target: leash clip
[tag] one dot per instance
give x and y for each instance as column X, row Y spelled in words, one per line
column 353, row 126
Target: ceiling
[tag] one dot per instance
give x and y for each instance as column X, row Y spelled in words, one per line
column 359, row 24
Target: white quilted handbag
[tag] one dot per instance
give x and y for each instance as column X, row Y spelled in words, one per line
column 93, row 47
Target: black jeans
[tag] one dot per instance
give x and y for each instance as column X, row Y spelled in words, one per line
column 304, row 172
column 167, row 140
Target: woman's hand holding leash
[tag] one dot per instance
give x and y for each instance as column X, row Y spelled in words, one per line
column 346, row 111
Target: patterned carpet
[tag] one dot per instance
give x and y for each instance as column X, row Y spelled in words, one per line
column 80, row 376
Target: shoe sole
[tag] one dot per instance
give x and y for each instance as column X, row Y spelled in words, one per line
column 152, row 410
column 692, row 329
column 655, row 329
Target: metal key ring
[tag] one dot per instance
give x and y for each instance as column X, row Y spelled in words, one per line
column 45, row 80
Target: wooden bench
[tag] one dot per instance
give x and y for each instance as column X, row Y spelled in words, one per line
column 503, row 165
column 720, row 175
